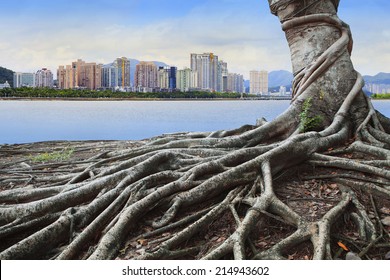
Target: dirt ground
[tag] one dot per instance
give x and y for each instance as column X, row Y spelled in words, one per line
column 27, row 166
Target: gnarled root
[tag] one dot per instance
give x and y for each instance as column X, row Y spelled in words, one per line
column 279, row 190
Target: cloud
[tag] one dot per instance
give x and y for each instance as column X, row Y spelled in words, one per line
column 245, row 36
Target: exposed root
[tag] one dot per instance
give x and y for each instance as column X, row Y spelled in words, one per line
column 224, row 194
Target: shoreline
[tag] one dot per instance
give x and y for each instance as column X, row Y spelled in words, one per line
column 135, row 99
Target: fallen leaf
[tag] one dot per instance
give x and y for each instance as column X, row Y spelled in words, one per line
column 142, row 242
column 345, row 248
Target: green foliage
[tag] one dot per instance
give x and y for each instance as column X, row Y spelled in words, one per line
column 98, row 94
column 308, row 123
column 381, row 96
column 53, row 156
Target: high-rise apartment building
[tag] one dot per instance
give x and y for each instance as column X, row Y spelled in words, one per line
column 235, row 83
column 110, row 76
column 24, row 80
column 80, row 75
column 65, row 77
column 146, row 76
column 186, row 80
column 44, row 78
column 116, row 74
column 222, row 76
column 206, row 65
column 123, row 66
column 167, row 77
column 258, row 82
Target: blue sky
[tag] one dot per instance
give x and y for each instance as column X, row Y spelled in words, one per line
column 49, row 33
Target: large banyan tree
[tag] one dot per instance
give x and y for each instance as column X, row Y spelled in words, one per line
column 312, row 183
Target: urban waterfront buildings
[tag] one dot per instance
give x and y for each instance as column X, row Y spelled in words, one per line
column 110, row 76
column 167, row 77
column 80, row 74
column 187, row 80
column 146, row 78
column 258, row 83
column 206, row 66
column 235, row 83
column 123, row 76
column 24, row 79
column 206, row 73
column 116, row 75
column 44, row 78
column 222, row 76
column 377, row 88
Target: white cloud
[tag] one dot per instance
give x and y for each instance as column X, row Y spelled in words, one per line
column 245, row 38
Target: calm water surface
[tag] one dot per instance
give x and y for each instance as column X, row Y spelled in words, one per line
column 32, row 121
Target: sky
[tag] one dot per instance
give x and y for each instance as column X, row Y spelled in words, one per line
column 48, row 33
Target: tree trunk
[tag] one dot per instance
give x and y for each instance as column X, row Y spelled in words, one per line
column 308, row 184
column 320, row 45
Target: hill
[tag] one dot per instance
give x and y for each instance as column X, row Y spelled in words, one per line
column 280, row 78
column 6, row 75
column 380, row 78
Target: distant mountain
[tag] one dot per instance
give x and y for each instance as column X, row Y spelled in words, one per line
column 6, row 75
column 280, row 78
column 380, row 78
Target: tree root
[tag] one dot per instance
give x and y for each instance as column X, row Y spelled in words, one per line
column 214, row 195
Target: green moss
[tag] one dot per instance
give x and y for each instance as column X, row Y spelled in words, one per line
column 308, row 123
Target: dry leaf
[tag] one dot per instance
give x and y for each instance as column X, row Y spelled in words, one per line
column 345, row 248
column 142, row 242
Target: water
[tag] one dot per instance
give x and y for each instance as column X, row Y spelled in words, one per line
column 32, row 121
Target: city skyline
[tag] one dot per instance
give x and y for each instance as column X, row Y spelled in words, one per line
column 45, row 34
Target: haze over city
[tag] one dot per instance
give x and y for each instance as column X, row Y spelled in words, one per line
column 46, row 33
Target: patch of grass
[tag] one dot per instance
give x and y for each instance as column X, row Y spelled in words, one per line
column 63, row 155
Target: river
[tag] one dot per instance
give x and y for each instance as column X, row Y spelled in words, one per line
column 32, row 121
